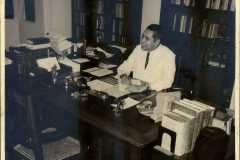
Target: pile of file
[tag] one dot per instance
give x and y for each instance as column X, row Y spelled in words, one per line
column 38, row 43
column 186, row 118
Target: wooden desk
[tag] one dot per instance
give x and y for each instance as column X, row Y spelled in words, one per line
column 129, row 127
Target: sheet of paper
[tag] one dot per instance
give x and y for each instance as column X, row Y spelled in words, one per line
column 99, row 85
column 80, row 60
column 108, row 55
column 119, row 47
column 68, row 62
column 89, row 70
column 101, row 72
column 8, row 61
column 115, row 92
column 107, row 66
column 129, row 102
column 91, row 54
column 38, row 46
column 48, row 63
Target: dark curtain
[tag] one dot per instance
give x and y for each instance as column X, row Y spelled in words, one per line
column 9, row 11
column 29, row 10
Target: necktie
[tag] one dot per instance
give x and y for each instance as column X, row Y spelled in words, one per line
column 147, row 59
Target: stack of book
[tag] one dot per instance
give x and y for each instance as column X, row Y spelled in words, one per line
column 38, row 43
column 186, row 119
column 221, row 4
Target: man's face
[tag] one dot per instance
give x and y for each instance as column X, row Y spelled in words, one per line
column 148, row 43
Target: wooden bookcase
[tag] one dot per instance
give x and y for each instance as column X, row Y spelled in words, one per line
column 202, row 34
column 107, row 21
column 79, row 20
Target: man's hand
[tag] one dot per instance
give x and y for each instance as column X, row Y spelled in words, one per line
column 137, row 86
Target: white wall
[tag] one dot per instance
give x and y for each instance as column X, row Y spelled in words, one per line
column 30, row 29
column 12, row 27
column 58, row 18
column 150, row 13
column 53, row 16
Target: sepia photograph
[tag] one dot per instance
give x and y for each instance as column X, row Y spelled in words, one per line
column 119, row 80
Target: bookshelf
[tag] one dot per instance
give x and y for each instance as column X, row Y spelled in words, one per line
column 108, row 21
column 79, row 19
column 202, row 34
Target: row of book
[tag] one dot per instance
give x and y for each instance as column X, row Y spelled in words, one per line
column 186, row 118
column 182, row 23
column 120, row 39
column 211, row 4
column 100, row 7
column 99, row 23
column 210, row 30
column 78, row 4
column 183, row 2
column 119, row 10
column 221, row 4
column 99, row 36
column 117, row 24
column 79, row 32
column 80, row 18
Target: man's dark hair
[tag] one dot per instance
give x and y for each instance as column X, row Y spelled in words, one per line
column 156, row 29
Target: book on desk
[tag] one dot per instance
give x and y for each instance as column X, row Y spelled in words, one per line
column 186, row 118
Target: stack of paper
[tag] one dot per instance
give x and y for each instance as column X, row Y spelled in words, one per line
column 115, row 92
column 101, row 72
column 48, row 63
column 122, row 49
column 107, row 66
column 89, row 70
column 80, row 60
column 99, row 85
column 68, row 62
column 38, row 46
column 107, row 55
column 8, row 61
column 129, row 102
column 98, row 72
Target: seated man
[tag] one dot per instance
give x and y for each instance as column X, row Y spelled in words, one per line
column 151, row 62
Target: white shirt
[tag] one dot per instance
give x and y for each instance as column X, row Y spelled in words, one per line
column 160, row 70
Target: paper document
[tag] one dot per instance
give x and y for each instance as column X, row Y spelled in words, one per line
column 8, row 61
column 80, row 60
column 99, row 85
column 68, row 62
column 48, row 63
column 89, row 70
column 115, row 92
column 107, row 66
column 38, row 46
column 129, row 102
column 61, row 45
column 101, row 72
column 91, row 54
column 108, row 55
column 122, row 49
